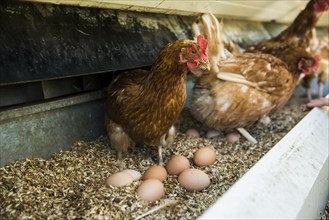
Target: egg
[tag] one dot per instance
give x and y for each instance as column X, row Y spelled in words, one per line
column 233, row 137
column 151, row 190
column 193, row 179
column 192, row 132
column 119, row 179
column 177, row 164
column 155, row 172
column 133, row 173
column 212, row 133
column 204, row 156
column 266, row 121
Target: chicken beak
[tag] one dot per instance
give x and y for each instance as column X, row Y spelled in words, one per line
column 204, row 64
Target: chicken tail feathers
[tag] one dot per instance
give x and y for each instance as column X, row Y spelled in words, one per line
column 247, row 135
column 196, row 30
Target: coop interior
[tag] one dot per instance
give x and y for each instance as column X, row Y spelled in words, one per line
column 57, row 59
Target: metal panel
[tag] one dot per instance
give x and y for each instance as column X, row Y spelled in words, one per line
column 69, row 86
column 43, row 129
column 44, row 41
column 20, row 93
column 245, row 33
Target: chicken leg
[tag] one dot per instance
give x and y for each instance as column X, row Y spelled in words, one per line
column 166, row 140
column 119, row 140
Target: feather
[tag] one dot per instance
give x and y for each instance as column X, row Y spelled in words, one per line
column 142, row 106
column 240, row 90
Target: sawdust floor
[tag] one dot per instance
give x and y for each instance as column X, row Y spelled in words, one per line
column 71, row 184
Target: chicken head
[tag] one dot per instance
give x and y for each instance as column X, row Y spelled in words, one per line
column 309, row 65
column 321, row 5
column 195, row 56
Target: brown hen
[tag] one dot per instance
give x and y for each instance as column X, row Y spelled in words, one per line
column 142, row 106
column 241, row 90
column 299, row 33
column 296, row 38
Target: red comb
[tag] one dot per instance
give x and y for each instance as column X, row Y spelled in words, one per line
column 202, row 43
column 321, row 5
column 317, row 61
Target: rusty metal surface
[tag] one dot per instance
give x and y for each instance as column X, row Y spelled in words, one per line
column 42, row 129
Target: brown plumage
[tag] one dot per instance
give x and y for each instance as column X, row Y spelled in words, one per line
column 296, row 39
column 225, row 104
column 298, row 34
column 142, row 106
column 241, row 90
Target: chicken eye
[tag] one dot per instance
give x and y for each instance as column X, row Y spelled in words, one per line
column 193, row 52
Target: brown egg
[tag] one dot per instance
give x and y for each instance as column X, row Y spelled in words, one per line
column 151, row 190
column 233, row 137
column 194, row 180
column 119, row 179
column 155, row 172
column 204, row 156
column 177, row 164
column 133, row 173
column 192, row 132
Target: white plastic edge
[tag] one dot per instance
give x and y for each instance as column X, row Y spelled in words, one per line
column 290, row 182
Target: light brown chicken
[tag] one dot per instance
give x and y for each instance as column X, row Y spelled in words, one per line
column 241, row 90
column 142, row 106
column 299, row 33
column 296, row 37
